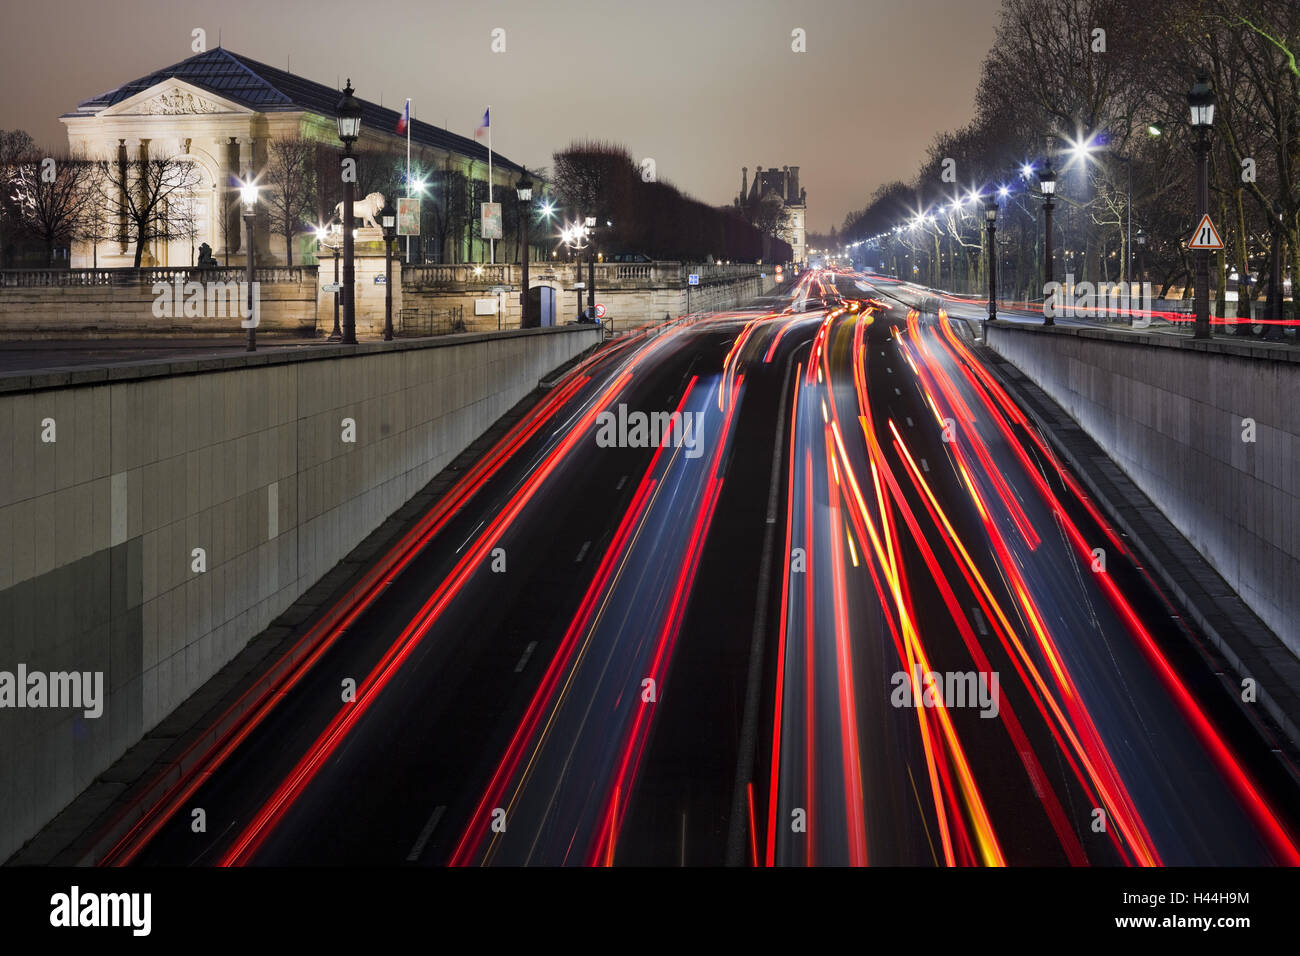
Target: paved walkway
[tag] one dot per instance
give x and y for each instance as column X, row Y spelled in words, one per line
column 58, row 354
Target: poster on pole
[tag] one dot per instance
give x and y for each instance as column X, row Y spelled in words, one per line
column 408, row 217
column 491, row 220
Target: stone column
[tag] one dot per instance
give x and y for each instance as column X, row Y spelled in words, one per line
column 230, row 226
column 143, row 198
column 123, row 174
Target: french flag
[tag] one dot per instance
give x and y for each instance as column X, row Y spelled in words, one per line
column 483, row 127
column 405, row 118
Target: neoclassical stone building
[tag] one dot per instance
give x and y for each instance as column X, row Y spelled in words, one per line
column 219, row 110
column 781, row 185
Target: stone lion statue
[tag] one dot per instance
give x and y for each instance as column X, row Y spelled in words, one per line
column 366, row 209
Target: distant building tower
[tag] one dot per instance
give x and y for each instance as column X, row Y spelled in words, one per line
column 781, row 185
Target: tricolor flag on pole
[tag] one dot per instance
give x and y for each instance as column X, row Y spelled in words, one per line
column 485, row 126
column 404, row 120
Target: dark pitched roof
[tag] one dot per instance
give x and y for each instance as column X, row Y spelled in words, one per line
column 269, row 90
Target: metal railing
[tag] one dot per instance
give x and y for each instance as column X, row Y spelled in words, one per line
column 416, row 323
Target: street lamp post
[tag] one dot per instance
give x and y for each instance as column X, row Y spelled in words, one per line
column 1142, row 271
column 388, row 220
column 591, row 270
column 524, row 190
column 1200, row 102
column 1273, row 328
column 330, row 238
column 349, row 123
column 337, row 232
column 248, row 196
column 1047, row 180
column 991, row 216
column 574, row 236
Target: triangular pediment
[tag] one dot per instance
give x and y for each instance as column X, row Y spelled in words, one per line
column 173, row 97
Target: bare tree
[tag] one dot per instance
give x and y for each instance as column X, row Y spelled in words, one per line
column 95, row 225
column 14, row 144
column 146, row 194
column 50, row 196
column 291, row 187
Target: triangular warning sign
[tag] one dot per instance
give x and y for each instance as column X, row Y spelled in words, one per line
column 1205, row 236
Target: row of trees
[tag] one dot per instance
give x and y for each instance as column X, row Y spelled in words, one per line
column 651, row 217
column 48, row 201
column 1100, row 87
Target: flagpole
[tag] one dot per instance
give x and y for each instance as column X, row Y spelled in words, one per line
column 408, row 169
column 492, row 243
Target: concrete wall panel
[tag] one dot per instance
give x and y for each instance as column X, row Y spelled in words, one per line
column 1170, row 411
column 98, row 529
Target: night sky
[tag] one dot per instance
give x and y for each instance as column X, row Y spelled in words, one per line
column 702, row 87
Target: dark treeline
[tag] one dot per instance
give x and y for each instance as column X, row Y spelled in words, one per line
column 651, row 218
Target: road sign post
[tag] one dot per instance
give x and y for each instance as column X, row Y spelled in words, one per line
column 1204, row 240
column 1206, row 236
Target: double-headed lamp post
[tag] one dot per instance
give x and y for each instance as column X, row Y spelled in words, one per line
column 248, row 197
column 991, row 216
column 524, row 190
column 573, row 236
column 388, row 220
column 349, row 122
column 1200, row 102
column 1047, row 181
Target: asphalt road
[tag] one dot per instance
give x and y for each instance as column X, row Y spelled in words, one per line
column 700, row 652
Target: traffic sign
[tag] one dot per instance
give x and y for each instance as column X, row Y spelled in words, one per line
column 380, row 280
column 332, row 287
column 579, row 285
column 693, row 279
column 600, row 311
column 1205, row 236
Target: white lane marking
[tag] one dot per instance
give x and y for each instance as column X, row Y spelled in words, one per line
column 467, row 540
column 427, row 832
column 582, row 552
column 980, row 626
column 924, row 465
column 528, row 652
column 897, row 392
column 621, row 482
column 910, row 423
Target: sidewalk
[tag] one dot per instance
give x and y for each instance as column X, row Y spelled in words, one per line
column 59, row 354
